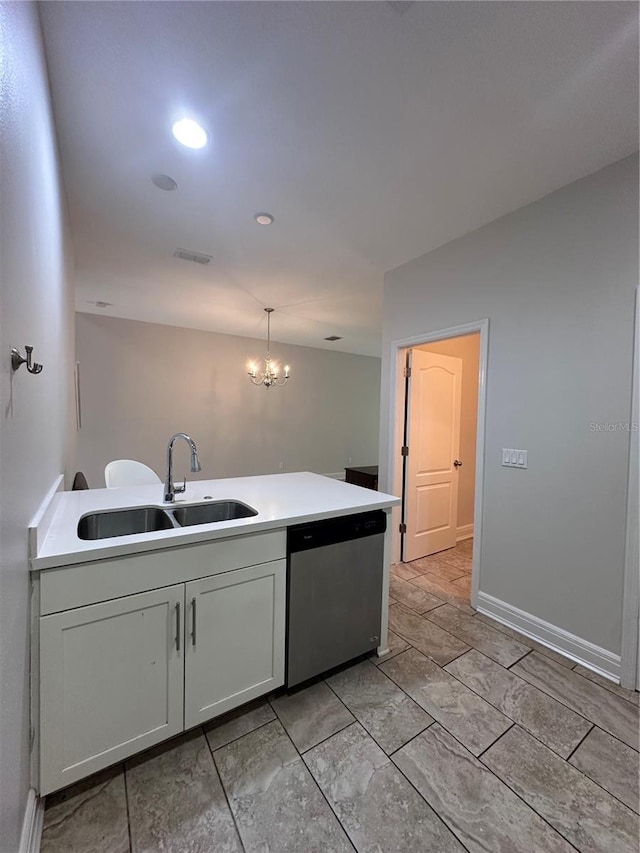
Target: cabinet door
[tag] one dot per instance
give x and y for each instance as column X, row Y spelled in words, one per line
column 111, row 682
column 234, row 646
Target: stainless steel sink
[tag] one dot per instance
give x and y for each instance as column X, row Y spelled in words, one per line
column 211, row 512
column 123, row 522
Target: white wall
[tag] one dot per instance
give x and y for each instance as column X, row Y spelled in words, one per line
column 556, row 280
column 35, row 411
column 466, row 348
column 142, row 382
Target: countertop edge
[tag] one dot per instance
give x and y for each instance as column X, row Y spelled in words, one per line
column 174, row 538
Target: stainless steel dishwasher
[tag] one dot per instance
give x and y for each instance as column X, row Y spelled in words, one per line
column 334, row 602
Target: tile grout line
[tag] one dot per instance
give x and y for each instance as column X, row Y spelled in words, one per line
column 578, row 745
column 563, row 702
column 233, row 740
column 424, row 799
column 443, row 725
column 582, row 773
column 516, row 722
column 522, row 799
column 315, row 782
column 373, row 738
column 126, row 800
column 543, row 650
column 452, row 632
column 224, row 790
column 608, row 689
column 595, row 782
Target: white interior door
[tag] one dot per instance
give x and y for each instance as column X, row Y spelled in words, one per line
column 434, row 399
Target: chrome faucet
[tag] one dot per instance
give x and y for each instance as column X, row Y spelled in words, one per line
column 170, row 490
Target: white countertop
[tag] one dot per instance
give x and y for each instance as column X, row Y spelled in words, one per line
column 280, row 499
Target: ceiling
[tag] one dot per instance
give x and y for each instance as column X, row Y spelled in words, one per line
column 372, row 131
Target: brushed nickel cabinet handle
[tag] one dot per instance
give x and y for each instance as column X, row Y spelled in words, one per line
column 193, row 621
column 178, row 626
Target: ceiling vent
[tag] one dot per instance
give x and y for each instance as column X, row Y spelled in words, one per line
column 334, row 338
column 188, row 255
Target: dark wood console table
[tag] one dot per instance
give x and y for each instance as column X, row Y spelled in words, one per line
column 366, row 476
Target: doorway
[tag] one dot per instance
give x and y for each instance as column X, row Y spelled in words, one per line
column 437, row 454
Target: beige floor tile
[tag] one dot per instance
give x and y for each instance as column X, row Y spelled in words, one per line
column 379, row 809
column 585, row 814
column 605, row 709
column 456, row 558
column 479, row 809
column 464, row 583
column 276, row 803
column 385, row 711
column 610, row 763
column 412, row 596
column 176, row 801
column 463, row 713
column 435, row 566
column 311, row 715
column 439, row 645
column 630, row 695
column 554, row 724
column 88, row 816
column 521, row 638
column 404, row 571
column 237, row 723
column 395, row 644
column 445, row 590
column 490, row 642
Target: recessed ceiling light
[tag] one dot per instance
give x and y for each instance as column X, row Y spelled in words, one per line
column 334, row 338
column 263, row 218
column 164, row 182
column 189, row 133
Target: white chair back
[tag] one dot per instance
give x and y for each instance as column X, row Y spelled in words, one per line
column 128, row 472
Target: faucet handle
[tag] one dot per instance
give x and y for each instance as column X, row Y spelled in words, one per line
column 178, row 490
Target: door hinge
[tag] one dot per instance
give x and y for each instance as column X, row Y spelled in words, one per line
column 407, row 372
column 404, row 451
column 403, row 527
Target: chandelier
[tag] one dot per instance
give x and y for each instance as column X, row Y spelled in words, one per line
column 269, row 375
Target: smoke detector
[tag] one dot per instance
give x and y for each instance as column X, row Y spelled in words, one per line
column 189, row 255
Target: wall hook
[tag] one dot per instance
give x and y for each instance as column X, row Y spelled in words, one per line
column 17, row 360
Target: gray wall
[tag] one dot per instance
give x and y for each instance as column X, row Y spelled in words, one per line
column 142, row 382
column 556, row 280
column 36, row 411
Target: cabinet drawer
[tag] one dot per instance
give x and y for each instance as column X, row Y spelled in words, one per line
column 102, row 580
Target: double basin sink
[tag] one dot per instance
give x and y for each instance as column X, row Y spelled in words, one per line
column 148, row 519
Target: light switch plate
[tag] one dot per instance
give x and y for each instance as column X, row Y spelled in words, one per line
column 514, row 458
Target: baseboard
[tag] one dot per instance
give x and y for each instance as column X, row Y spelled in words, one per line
column 465, row 531
column 32, row 823
column 594, row 657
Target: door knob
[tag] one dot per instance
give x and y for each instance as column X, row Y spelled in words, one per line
column 457, row 463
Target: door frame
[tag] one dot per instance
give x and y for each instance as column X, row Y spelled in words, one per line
column 629, row 670
column 396, row 430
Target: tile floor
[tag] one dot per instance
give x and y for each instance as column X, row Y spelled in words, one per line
column 465, row 736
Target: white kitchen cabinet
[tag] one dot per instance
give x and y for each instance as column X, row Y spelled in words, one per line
column 234, row 643
column 111, row 682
